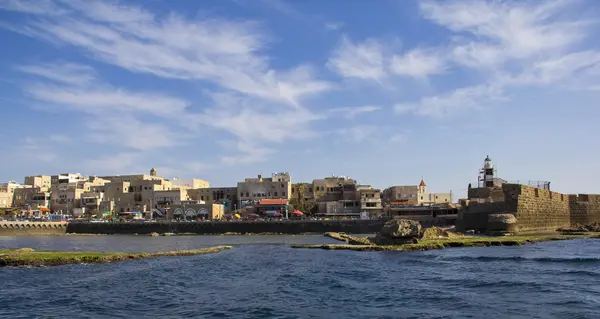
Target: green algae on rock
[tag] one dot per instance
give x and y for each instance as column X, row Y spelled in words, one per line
column 30, row 257
column 441, row 243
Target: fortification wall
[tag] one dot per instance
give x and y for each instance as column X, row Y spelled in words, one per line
column 540, row 210
column 585, row 209
column 536, row 209
column 32, row 228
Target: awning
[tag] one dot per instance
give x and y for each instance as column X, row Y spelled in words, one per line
column 44, row 209
column 297, row 213
column 252, row 215
column 271, row 212
column 237, row 216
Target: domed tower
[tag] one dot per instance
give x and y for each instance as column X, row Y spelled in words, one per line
column 487, row 174
column 153, row 172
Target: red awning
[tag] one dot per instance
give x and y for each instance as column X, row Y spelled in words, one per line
column 252, row 215
column 297, row 212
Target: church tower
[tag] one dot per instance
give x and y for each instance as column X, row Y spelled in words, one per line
column 422, row 187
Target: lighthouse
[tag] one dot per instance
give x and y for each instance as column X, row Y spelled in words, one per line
column 487, row 174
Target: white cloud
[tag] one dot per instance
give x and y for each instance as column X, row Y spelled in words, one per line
column 114, row 164
column 333, row 26
column 74, row 74
column 419, row 63
column 403, row 108
column 512, row 44
column 352, row 112
column 358, row 60
column 222, row 52
column 357, row 134
column 59, row 138
column 31, row 6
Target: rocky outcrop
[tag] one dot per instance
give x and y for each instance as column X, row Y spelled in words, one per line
column 502, row 223
column 349, row 239
column 593, row 227
column 398, row 232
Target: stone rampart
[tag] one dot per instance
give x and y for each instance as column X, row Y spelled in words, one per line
column 536, row 210
column 32, row 228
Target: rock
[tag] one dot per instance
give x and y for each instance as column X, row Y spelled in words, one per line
column 25, row 249
column 398, row 232
column 154, row 234
column 502, row 223
column 434, row 233
column 401, row 228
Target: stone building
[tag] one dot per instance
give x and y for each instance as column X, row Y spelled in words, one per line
column 7, row 193
column 42, row 182
column 226, row 196
column 414, row 195
column 252, row 190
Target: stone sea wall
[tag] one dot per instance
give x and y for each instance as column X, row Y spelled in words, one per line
column 536, row 210
column 32, row 228
column 246, row 227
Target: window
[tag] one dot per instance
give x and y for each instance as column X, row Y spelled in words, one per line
column 421, row 197
column 282, row 193
column 201, row 197
column 275, row 194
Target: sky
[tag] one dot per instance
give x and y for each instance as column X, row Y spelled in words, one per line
column 386, row 92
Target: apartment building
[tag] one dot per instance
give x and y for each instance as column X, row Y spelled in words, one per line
column 226, row 196
column 252, row 190
column 42, row 182
column 7, row 193
column 370, row 200
column 65, row 196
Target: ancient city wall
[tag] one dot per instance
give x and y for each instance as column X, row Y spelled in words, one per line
column 536, row 209
column 540, row 210
column 585, row 208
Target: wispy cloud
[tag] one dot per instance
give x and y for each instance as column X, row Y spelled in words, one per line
column 351, row 112
column 363, row 61
column 222, row 52
column 334, row 26
column 511, row 44
column 419, row 63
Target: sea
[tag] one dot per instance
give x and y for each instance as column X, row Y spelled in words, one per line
column 263, row 277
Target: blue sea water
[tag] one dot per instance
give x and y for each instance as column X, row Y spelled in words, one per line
column 262, row 277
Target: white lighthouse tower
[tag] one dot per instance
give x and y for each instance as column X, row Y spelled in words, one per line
column 487, row 174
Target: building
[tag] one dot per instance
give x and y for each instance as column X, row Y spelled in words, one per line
column 489, row 185
column 67, row 178
column 66, row 196
column 7, row 193
column 192, row 183
column 252, row 190
column 196, row 211
column 370, row 200
column 226, row 196
column 40, row 181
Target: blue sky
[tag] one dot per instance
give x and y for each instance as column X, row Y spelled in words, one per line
column 382, row 91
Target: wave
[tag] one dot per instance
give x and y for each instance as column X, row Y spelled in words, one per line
column 575, row 260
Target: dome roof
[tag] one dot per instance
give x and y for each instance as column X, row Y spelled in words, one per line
column 488, row 159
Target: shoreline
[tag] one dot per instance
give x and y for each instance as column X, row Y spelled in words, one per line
column 443, row 243
column 32, row 258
